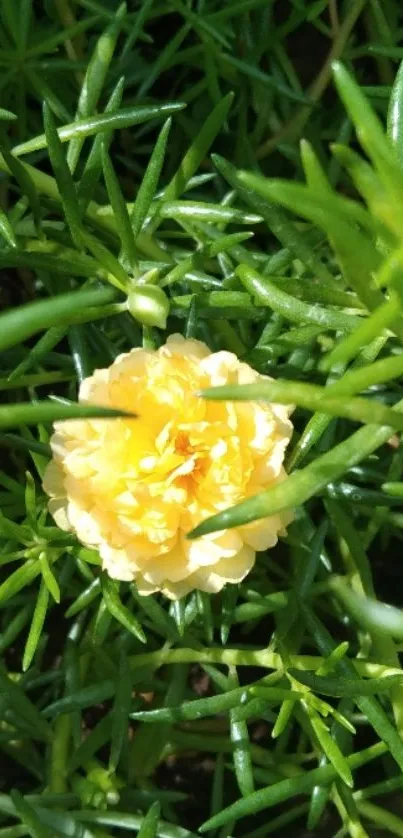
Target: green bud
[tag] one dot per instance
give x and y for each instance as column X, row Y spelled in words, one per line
column 89, row 792
column 149, row 305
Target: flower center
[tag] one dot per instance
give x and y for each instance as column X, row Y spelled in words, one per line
column 195, row 459
column 183, row 445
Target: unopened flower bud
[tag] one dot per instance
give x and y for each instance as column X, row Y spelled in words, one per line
column 149, row 305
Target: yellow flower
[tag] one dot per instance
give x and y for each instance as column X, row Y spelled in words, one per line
column 133, row 488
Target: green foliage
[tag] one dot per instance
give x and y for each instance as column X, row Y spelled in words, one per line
column 189, row 175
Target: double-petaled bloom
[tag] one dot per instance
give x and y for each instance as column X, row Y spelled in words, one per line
column 133, row 487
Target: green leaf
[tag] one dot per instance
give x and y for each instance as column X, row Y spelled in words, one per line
column 48, row 411
column 198, row 150
column 102, row 124
column 21, row 444
column 286, row 789
column 199, row 211
column 329, row 746
column 239, row 735
column 204, row 609
column 85, row 697
column 149, row 827
column 49, row 578
column 120, row 211
column 219, row 305
column 150, row 744
column 190, row 710
column 395, row 114
column 369, row 184
column 123, row 820
column 384, row 317
column 339, row 218
column 267, row 293
column 22, row 577
column 370, row 132
column 160, row 619
column 116, row 274
column 98, row 737
column 120, row 714
column 368, row 705
column 343, row 687
column 64, row 180
column 395, row 489
column 48, row 44
column 119, row 611
column 35, row 631
column 94, row 79
column 276, row 219
column 344, row 524
column 29, row 817
column 80, row 352
column 101, row 624
column 7, row 115
column 229, row 600
column 372, row 615
column 93, row 165
column 85, row 598
column 136, row 26
column 258, row 75
column 150, row 180
column 13, row 697
column 16, row 325
column 27, row 186
column 312, row 397
column 6, row 230
column 30, row 498
column 62, row 823
column 315, row 176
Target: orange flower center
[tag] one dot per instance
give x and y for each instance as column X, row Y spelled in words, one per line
column 182, row 444
column 195, row 461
